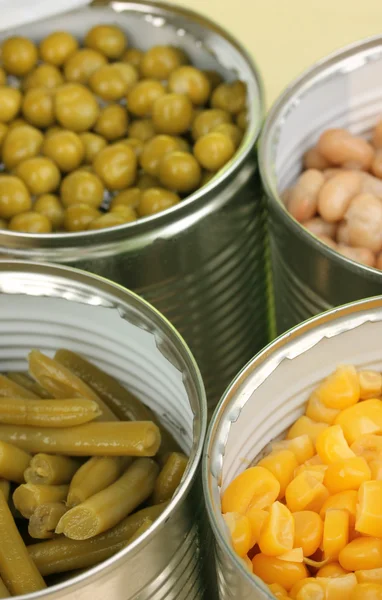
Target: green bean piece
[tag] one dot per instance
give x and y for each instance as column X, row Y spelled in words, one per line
column 107, row 508
column 48, row 413
column 27, row 382
column 170, row 477
column 93, row 476
column 117, row 438
column 13, row 462
column 50, row 469
column 62, row 554
column 9, row 388
column 62, row 383
column 28, row 496
column 44, row 520
column 144, row 527
column 17, row 569
column 124, row 404
column 5, row 488
column 4, row 592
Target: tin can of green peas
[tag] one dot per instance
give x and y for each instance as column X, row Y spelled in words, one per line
column 202, row 263
column 50, row 307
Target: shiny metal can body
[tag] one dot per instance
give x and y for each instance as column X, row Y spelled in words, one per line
column 266, row 397
column 201, row 263
column 48, row 307
column 339, row 91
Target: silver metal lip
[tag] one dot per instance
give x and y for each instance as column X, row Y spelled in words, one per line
column 267, row 142
column 231, row 398
column 121, row 295
column 142, row 225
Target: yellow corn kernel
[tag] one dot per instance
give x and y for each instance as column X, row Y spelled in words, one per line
column 336, row 532
column 282, row 465
column 369, row 446
column 376, row 469
column 370, row 384
column 332, row 446
column 239, row 528
column 367, row 591
column 333, row 569
column 308, row 531
column 311, row 469
column 277, row 533
column 306, row 492
column 369, row 509
column 257, row 518
column 295, row 555
column 254, row 488
column 361, row 553
column 303, row 426
column 314, row 461
column 361, row 419
column 339, row 588
column 312, row 590
column 369, row 576
column 278, row 591
column 317, row 411
column 343, row 500
column 273, row 570
column 301, row 446
column 341, row 389
column 347, row 474
column 300, row 585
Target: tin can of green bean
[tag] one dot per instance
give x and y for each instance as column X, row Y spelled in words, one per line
column 339, row 91
column 202, row 263
column 265, row 398
column 50, row 307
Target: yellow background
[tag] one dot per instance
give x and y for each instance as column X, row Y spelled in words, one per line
column 286, row 36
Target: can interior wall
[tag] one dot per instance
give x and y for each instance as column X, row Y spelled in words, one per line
column 339, row 91
column 265, row 399
column 48, row 307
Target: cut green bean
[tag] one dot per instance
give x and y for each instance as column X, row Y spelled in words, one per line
column 62, row 554
column 4, row 592
column 94, row 476
column 144, row 527
column 5, row 488
column 129, row 438
column 107, row 508
column 28, row 496
column 170, row 477
column 62, row 383
column 50, row 469
column 13, row 462
column 17, row 569
column 48, row 413
column 27, row 382
column 44, row 520
column 123, row 403
column 9, row 388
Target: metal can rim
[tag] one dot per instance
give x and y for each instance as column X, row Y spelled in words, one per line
column 121, row 294
column 169, row 215
column 327, row 318
column 279, row 109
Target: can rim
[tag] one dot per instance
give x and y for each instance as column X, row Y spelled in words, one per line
column 133, row 300
column 298, row 87
column 228, row 172
column 230, row 395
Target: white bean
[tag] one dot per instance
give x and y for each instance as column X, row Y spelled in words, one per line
column 335, row 195
column 302, row 202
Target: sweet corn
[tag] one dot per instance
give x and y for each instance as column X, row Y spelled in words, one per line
column 369, row 509
column 295, row 555
column 367, row 591
column 341, row 389
column 346, row 474
column 281, row 464
column 369, row 576
column 278, row 591
column 369, row 446
column 306, row 492
column 317, row 411
column 257, row 518
column 331, row 445
column 311, row 591
column 370, row 384
column 361, row 553
column 308, row 531
column 301, row 446
column 254, row 488
column 239, row 528
column 339, row 588
column 300, row 585
column 311, row 469
column 307, row 426
column 376, row 469
column 361, row 419
column 314, row 461
column 333, row 569
column 277, row 533
column 336, row 532
column 274, row 570
column 343, row 500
